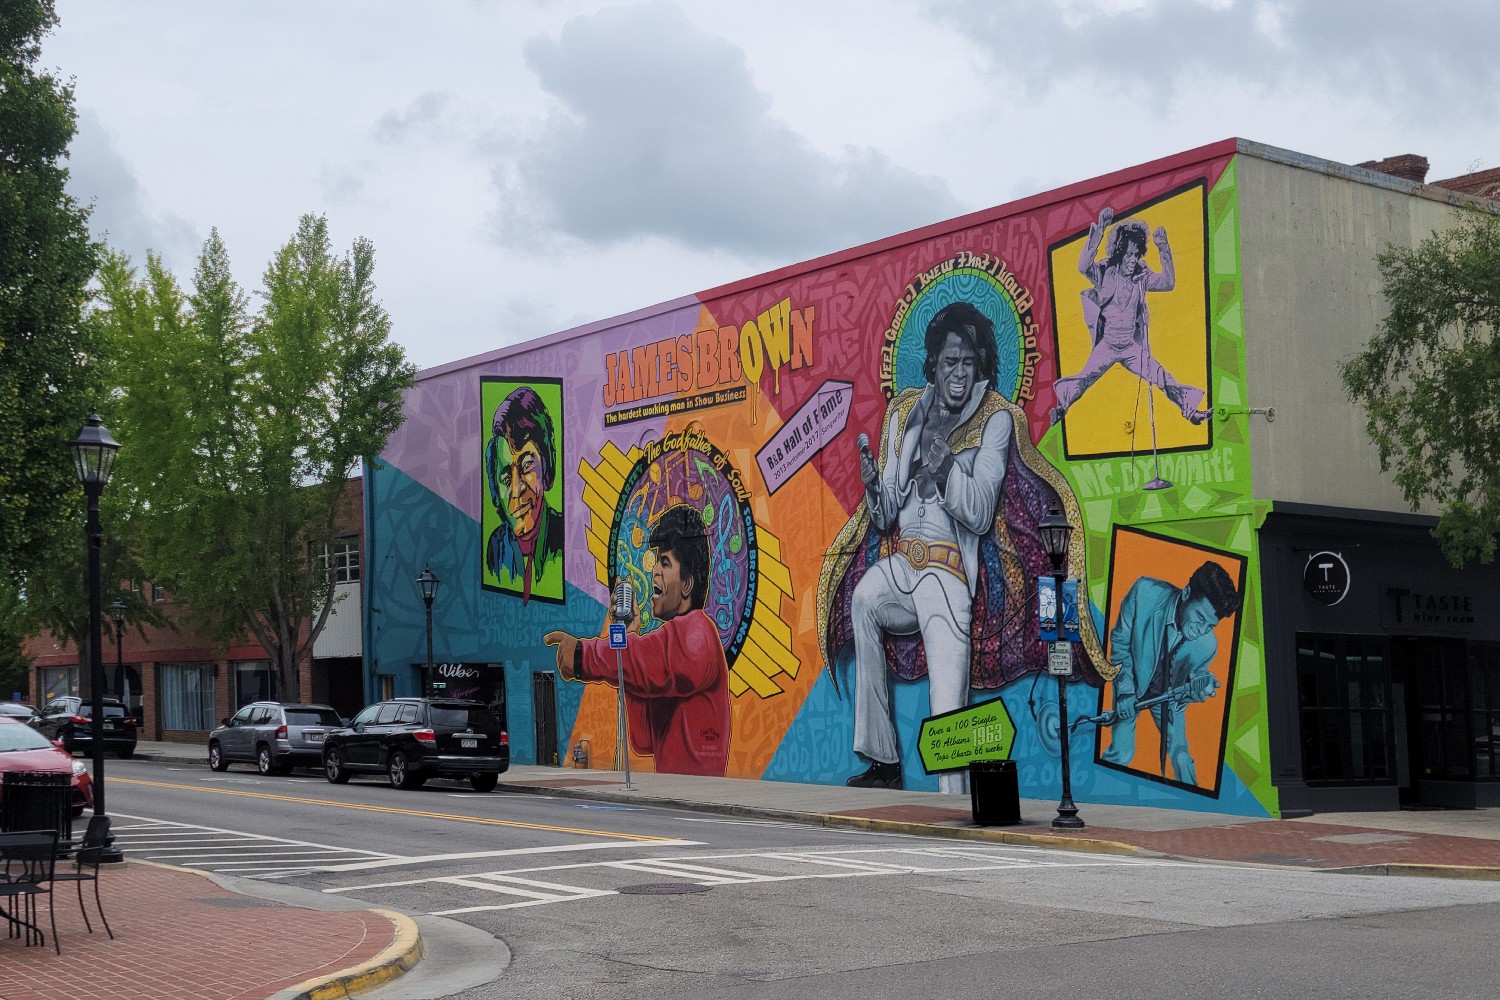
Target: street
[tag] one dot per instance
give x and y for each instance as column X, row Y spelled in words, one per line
column 599, row 900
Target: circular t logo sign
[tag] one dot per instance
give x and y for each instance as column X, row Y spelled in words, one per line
column 1326, row 578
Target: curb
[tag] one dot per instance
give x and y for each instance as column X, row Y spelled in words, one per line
column 398, row 959
column 841, row 821
column 1417, row 870
column 1086, row 844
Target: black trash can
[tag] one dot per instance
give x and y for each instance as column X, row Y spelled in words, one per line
column 995, row 792
column 32, row 800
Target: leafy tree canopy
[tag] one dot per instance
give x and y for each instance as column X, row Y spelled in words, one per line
column 244, row 426
column 48, row 380
column 1430, row 381
column 13, row 659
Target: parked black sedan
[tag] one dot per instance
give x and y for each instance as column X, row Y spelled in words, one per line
column 412, row 739
column 70, row 720
column 20, row 711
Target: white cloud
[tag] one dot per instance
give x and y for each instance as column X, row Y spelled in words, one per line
column 530, row 165
column 430, row 114
column 659, row 130
column 99, row 176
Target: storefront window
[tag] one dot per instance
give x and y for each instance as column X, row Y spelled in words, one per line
column 1484, row 697
column 254, row 680
column 1343, row 693
column 57, row 682
column 1442, row 712
column 187, row 696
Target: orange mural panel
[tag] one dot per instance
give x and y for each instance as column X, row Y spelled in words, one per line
column 1172, row 624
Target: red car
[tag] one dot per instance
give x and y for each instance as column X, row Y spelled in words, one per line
column 24, row 749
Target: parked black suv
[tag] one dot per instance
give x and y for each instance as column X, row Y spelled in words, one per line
column 70, row 719
column 413, row 739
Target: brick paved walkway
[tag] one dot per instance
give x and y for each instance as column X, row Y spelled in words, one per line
column 179, row 936
column 1301, row 843
column 1311, row 845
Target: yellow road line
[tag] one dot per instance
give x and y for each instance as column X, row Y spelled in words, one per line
column 390, row 809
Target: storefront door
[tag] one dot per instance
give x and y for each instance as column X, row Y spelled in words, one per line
column 1430, row 678
column 544, row 702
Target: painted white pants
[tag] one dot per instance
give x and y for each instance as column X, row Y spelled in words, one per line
column 894, row 597
column 1136, row 359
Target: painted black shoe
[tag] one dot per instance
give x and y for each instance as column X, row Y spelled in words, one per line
column 877, row 775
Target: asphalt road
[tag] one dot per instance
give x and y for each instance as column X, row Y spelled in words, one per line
column 603, row 901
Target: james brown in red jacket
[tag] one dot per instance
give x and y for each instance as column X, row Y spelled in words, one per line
column 676, row 676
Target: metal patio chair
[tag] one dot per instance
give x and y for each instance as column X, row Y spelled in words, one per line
column 29, row 860
column 86, row 869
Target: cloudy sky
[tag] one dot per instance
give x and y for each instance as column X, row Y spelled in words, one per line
column 525, row 166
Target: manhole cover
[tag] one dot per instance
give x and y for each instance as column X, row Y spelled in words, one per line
column 662, row 888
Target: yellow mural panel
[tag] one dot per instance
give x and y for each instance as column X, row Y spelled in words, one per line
column 1123, row 412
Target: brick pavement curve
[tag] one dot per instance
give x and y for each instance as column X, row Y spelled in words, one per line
column 180, row 936
column 1314, row 845
column 1298, row 843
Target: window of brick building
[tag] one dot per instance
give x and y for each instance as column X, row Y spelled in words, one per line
column 57, row 682
column 340, row 559
column 187, row 696
column 254, row 680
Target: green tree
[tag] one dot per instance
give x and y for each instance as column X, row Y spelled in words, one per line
column 54, row 585
column 1430, row 381
column 14, row 662
column 244, row 428
column 56, row 591
column 47, row 377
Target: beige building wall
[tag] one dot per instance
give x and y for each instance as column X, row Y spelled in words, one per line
column 1310, row 232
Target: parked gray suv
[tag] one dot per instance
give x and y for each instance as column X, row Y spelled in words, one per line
column 275, row 737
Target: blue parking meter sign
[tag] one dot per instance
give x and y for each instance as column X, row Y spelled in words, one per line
column 617, row 635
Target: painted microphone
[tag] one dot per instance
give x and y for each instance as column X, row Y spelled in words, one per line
column 624, row 605
column 864, row 447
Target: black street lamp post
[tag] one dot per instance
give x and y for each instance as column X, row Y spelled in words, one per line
column 428, row 581
column 1055, row 531
column 94, row 458
column 117, row 615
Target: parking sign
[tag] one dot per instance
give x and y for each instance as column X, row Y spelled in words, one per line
column 1060, row 659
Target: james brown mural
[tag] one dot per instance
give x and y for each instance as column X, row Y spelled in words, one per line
column 942, row 546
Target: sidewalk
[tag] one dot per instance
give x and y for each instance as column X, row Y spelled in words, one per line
column 182, row 934
column 179, row 935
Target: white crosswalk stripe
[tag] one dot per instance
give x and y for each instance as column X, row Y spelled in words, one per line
column 228, row 852
column 561, row 883
column 698, row 874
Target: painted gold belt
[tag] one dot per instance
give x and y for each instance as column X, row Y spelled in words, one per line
column 922, row 554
